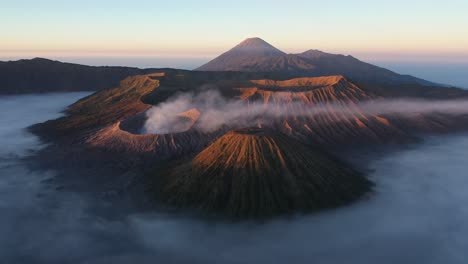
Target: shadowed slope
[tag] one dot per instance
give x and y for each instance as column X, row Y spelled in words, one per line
column 43, row 75
column 349, row 66
column 256, row 173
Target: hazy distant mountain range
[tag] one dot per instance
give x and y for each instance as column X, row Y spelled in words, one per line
column 253, row 55
column 42, row 75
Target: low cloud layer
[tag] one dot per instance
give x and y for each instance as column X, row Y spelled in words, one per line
column 416, row 215
column 217, row 111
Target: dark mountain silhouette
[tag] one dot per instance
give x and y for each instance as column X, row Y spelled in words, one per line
column 43, row 75
column 255, row 54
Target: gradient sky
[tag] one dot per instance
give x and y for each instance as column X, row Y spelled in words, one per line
column 426, row 30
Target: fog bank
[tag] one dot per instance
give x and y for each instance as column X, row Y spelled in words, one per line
column 416, row 215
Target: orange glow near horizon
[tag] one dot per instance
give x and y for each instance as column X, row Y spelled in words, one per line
column 417, row 55
column 423, row 30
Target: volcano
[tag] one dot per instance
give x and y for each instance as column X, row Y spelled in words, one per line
column 258, row 173
column 255, row 47
column 256, row 55
column 244, row 173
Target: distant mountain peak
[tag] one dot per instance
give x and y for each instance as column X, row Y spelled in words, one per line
column 257, row 55
column 315, row 53
column 252, row 51
column 257, row 45
column 39, row 59
column 255, row 42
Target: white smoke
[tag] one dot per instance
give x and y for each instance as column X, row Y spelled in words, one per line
column 217, row 111
column 162, row 119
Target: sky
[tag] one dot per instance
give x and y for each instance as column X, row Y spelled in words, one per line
column 186, row 34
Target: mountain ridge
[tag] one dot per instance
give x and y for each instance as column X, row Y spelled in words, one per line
column 310, row 63
column 40, row 75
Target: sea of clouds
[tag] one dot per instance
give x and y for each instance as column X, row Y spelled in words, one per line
column 417, row 213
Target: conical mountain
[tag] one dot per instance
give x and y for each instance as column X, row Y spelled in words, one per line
column 256, row 47
column 256, row 55
column 259, row 173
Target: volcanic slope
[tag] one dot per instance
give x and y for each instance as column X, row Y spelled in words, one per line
column 321, row 110
column 324, row 109
column 99, row 121
column 103, row 130
column 259, row 173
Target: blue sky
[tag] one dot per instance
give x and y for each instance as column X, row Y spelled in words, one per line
column 436, row 30
column 428, row 38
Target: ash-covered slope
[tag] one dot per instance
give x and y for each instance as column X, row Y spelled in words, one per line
column 322, row 109
column 259, row 173
column 100, row 121
column 259, row 56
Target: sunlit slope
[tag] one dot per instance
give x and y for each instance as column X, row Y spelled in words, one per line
column 255, row 173
column 324, row 109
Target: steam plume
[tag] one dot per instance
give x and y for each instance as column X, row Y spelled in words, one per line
column 218, row 111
